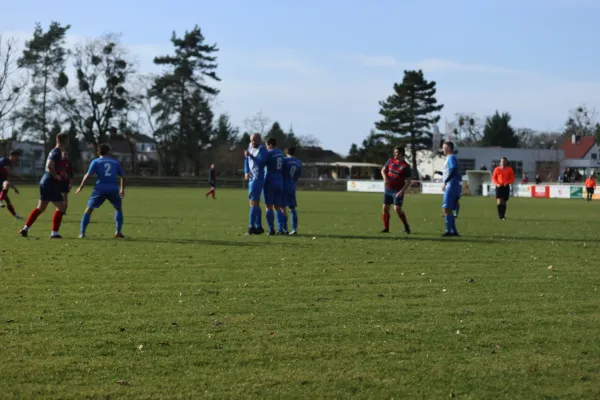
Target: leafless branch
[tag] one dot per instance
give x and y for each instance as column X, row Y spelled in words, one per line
column 12, row 87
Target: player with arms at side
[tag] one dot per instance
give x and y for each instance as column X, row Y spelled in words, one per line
column 590, row 186
column 292, row 170
column 254, row 173
column 452, row 187
column 503, row 177
column 65, row 170
column 107, row 171
column 396, row 177
column 6, row 172
column 212, row 181
column 273, row 191
column 50, row 190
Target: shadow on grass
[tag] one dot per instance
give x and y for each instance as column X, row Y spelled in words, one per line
column 462, row 238
column 212, row 242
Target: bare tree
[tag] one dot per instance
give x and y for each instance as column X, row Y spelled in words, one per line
column 582, row 121
column 11, row 86
column 258, row 123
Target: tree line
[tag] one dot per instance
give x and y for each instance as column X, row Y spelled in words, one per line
column 103, row 97
column 409, row 117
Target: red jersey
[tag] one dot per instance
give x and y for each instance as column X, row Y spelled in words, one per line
column 397, row 172
column 4, row 162
column 64, row 169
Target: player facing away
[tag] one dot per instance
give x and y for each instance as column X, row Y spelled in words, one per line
column 254, row 173
column 452, row 188
column 503, row 177
column 590, row 186
column 50, row 190
column 212, row 181
column 292, row 170
column 65, row 170
column 6, row 172
column 273, row 190
column 108, row 172
column 396, row 178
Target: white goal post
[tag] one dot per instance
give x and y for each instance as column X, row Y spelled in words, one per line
column 477, row 179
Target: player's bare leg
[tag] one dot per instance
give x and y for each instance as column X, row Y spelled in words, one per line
column 385, row 217
column 402, row 217
column 4, row 197
column 39, row 210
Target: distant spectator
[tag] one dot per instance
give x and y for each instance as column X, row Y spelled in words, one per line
column 525, row 178
column 483, row 167
column 538, row 180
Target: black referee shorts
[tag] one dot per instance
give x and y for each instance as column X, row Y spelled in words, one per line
column 590, row 190
column 503, row 192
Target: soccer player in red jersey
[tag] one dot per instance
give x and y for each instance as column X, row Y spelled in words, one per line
column 65, row 170
column 396, row 176
column 212, row 181
column 50, row 190
column 6, row 171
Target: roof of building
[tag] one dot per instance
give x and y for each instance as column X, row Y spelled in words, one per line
column 579, row 149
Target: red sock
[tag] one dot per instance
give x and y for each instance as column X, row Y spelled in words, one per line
column 213, row 193
column 56, row 220
column 386, row 220
column 32, row 217
column 11, row 209
column 3, row 195
column 402, row 216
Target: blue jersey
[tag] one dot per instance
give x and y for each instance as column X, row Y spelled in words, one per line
column 107, row 170
column 292, row 169
column 451, row 172
column 254, row 164
column 275, row 160
column 55, row 156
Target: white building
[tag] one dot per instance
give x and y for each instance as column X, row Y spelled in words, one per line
column 33, row 159
column 545, row 162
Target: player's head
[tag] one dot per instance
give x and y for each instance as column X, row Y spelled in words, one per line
column 103, row 149
column 14, row 155
column 448, row 148
column 271, row 143
column 212, row 166
column 399, row 153
column 290, row 151
column 62, row 140
column 255, row 140
column 504, row 162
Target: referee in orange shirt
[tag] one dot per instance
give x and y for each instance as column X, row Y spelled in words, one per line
column 503, row 177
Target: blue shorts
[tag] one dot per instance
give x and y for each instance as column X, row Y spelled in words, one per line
column 273, row 195
column 50, row 191
column 65, row 187
column 255, row 189
column 289, row 199
column 99, row 195
column 389, row 198
column 451, row 197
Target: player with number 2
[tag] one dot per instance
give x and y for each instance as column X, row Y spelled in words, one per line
column 108, row 171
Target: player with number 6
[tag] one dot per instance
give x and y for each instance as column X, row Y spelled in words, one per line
column 273, row 191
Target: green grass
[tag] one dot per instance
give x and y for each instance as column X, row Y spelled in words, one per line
column 188, row 307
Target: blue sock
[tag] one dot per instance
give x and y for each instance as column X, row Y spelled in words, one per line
column 453, row 224
column 457, row 209
column 258, row 217
column 280, row 221
column 285, row 222
column 119, row 220
column 251, row 217
column 85, row 220
column 294, row 220
column 271, row 219
column 449, row 219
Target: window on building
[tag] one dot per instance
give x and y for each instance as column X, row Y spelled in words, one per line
column 465, row 165
column 594, row 156
column 517, row 166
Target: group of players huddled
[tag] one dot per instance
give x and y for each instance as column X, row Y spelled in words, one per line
column 55, row 186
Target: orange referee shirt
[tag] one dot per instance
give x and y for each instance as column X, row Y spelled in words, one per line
column 503, row 176
column 590, row 183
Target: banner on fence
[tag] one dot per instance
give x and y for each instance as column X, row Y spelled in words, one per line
column 365, row 186
column 432, row 188
column 576, row 192
column 560, row 192
column 521, row 191
column 540, row 191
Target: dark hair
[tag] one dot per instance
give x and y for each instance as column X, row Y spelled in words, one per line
column 17, row 152
column 450, row 144
column 272, row 141
column 104, row 149
column 400, row 150
column 291, row 151
column 504, row 158
column 62, row 138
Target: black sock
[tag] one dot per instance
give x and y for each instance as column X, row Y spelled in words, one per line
column 503, row 210
column 499, row 207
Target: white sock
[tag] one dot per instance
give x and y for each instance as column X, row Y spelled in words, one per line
column 54, row 233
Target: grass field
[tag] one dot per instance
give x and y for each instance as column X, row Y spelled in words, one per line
column 188, row 307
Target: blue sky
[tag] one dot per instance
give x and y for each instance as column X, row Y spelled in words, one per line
column 322, row 66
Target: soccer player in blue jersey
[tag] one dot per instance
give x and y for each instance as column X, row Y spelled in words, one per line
column 452, row 187
column 292, row 169
column 108, row 172
column 273, row 191
column 50, row 190
column 6, row 172
column 457, row 208
column 254, row 173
